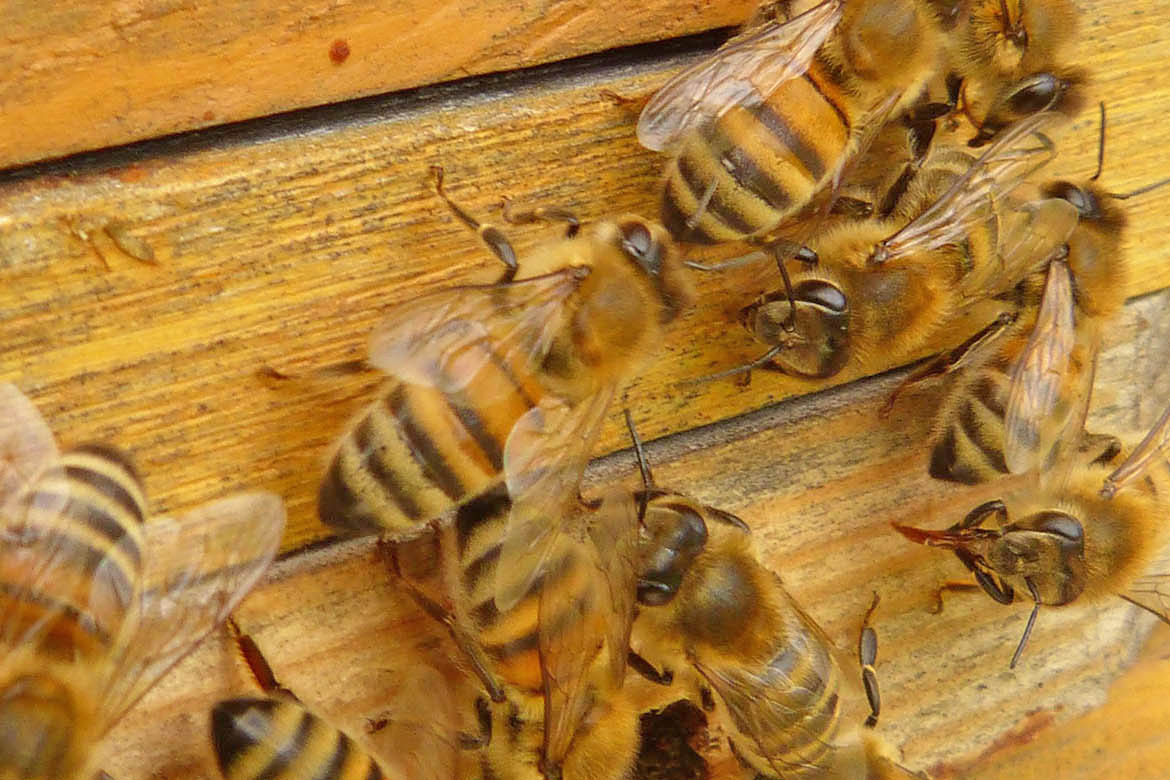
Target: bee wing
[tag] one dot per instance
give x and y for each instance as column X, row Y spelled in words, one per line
column 613, row 529
column 745, row 70
column 443, row 339
column 544, row 458
column 27, row 447
column 1151, row 593
column 1047, row 386
column 420, row 738
column 980, row 192
column 1151, row 450
column 1034, row 234
column 196, row 569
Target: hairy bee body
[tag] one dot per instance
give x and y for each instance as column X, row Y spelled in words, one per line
column 77, row 618
column 277, row 739
column 762, row 159
column 438, row 435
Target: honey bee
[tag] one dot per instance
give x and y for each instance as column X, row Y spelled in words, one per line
column 772, row 119
column 276, row 738
column 873, row 291
column 728, row 634
column 554, row 663
column 1023, row 391
column 1005, row 56
column 1080, row 532
column 505, row 380
column 99, row 599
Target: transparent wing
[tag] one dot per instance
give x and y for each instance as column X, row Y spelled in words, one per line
column 544, row 458
column 1043, row 389
column 26, row 446
column 1151, row 593
column 979, row 193
column 613, row 529
column 420, row 738
column 443, row 339
column 196, row 569
column 1032, row 236
column 745, row 70
column 1151, row 450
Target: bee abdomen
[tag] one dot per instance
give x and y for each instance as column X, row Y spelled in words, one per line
column 419, row 451
column 266, row 739
column 971, row 448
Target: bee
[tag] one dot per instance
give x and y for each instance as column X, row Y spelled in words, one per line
column 1081, row 531
column 773, row 118
column 98, row 600
column 508, row 380
column 872, row 292
column 1005, row 56
column 553, row 664
column 277, row 738
column 1021, row 393
column 728, row 634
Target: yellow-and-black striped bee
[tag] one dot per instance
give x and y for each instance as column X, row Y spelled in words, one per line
column 957, row 235
column 508, row 380
column 276, row 738
column 768, row 123
column 98, row 599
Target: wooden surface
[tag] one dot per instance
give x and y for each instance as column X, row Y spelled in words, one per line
column 340, row 634
column 88, row 74
column 281, row 243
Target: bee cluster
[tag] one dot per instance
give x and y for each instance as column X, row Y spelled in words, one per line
column 887, row 158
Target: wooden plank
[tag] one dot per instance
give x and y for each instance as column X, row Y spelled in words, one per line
column 340, row 634
column 92, row 74
column 283, row 246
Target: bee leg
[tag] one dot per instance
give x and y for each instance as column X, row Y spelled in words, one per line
column 948, row 362
column 492, row 237
column 977, row 516
column 867, row 655
column 948, row 586
column 542, row 214
column 647, row 670
column 631, row 105
column 1028, row 627
column 463, row 641
column 258, row 665
column 483, row 716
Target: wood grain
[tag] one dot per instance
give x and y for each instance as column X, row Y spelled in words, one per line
column 90, row 74
column 338, row 631
column 281, row 246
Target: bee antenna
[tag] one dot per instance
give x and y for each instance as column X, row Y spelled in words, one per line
column 643, row 466
column 1027, row 628
column 1139, row 190
column 1100, row 144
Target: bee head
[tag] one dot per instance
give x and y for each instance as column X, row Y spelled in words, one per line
column 813, row 340
column 650, row 248
column 673, row 533
column 1047, row 91
column 1047, row 549
column 39, row 719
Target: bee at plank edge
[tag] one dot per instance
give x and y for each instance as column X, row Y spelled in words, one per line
column 553, row 665
column 718, row 629
column 505, row 381
column 275, row 737
column 948, row 242
column 100, row 599
column 1019, row 390
column 765, row 127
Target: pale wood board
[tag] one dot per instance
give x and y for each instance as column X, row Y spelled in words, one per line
column 89, row 74
column 282, row 246
column 339, row 633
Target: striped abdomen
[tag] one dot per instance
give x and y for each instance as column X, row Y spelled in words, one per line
column 418, row 450
column 269, row 739
column 970, row 444
column 758, row 165
column 511, row 639
column 72, row 562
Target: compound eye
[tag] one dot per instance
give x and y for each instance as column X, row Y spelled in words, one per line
column 1061, row 524
column 1036, row 93
column 822, row 294
column 636, row 239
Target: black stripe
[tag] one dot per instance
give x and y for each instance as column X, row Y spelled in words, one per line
column 288, row 752
column 112, row 454
column 227, row 737
column 341, row 751
column 476, row 570
column 432, row 462
column 364, row 439
column 107, row 487
column 672, row 218
column 522, row 644
column 944, row 461
column 791, row 138
column 62, row 547
column 94, row 518
column 485, row 613
column 837, row 76
column 716, row 207
column 375, row 773
column 478, row 512
column 748, row 174
column 993, row 455
column 85, row 622
column 338, row 507
column 988, row 394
